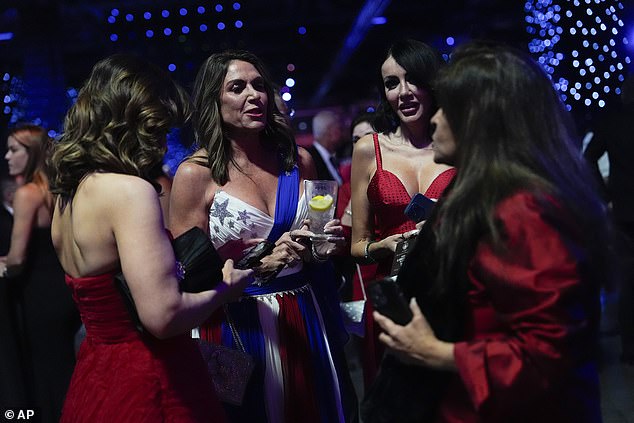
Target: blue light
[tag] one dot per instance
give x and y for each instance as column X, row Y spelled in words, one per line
column 301, row 30
column 165, row 13
column 239, row 24
column 379, row 20
column 149, row 33
column 203, row 28
column 129, row 17
column 7, row 110
column 200, row 10
column 220, row 26
column 287, row 96
column 218, row 8
column 114, row 37
column 290, row 82
column 450, row 41
column 236, row 6
column 114, row 12
column 112, row 19
column 601, row 103
column 167, row 31
column 183, row 11
column 147, row 16
column 7, row 99
column 185, row 29
column 171, row 67
column 6, row 36
column 6, row 77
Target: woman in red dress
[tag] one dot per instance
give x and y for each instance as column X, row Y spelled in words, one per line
column 107, row 219
column 390, row 166
column 509, row 305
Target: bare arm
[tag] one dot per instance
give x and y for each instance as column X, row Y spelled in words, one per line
column 147, row 261
column 363, row 167
column 190, row 198
column 28, row 199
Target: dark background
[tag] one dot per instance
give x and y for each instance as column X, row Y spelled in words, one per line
column 55, row 43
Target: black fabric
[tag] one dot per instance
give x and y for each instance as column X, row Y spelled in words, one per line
column 198, row 260
column 407, row 393
column 320, row 165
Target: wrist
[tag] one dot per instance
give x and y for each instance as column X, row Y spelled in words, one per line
column 317, row 257
column 442, row 357
column 367, row 254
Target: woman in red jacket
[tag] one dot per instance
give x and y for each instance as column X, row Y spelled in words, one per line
column 509, row 306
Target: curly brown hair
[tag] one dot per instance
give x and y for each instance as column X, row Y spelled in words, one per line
column 119, row 123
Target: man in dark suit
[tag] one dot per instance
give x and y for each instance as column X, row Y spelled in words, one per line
column 616, row 136
column 328, row 137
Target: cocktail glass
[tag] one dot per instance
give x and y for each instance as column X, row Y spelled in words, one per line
column 321, row 199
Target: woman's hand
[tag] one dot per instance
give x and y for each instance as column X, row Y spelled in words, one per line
column 235, row 248
column 288, row 252
column 233, row 281
column 416, row 342
column 335, row 244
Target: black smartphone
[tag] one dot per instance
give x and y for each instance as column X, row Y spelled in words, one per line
column 419, row 208
column 253, row 256
column 388, row 299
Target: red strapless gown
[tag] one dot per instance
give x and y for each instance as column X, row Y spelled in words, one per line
column 388, row 199
column 124, row 376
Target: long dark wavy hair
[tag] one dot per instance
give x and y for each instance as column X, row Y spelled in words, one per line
column 421, row 62
column 209, row 128
column 37, row 143
column 118, row 124
column 512, row 133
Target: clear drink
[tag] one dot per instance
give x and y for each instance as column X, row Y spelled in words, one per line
column 321, row 199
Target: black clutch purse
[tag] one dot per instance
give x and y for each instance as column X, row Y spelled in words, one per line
column 199, row 265
column 199, row 268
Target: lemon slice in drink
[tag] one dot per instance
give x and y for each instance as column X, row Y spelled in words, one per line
column 321, row 202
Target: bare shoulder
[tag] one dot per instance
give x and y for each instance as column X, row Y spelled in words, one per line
column 364, row 147
column 29, row 193
column 363, row 154
column 306, row 164
column 191, row 172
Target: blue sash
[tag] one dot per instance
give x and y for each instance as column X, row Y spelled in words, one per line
column 285, row 203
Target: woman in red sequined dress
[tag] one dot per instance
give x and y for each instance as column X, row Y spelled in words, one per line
column 390, row 166
column 107, row 219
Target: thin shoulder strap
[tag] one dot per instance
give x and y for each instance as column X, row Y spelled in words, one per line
column 377, row 152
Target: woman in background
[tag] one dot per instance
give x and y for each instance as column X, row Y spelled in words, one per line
column 509, row 292
column 391, row 166
column 107, row 220
column 47, row 319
